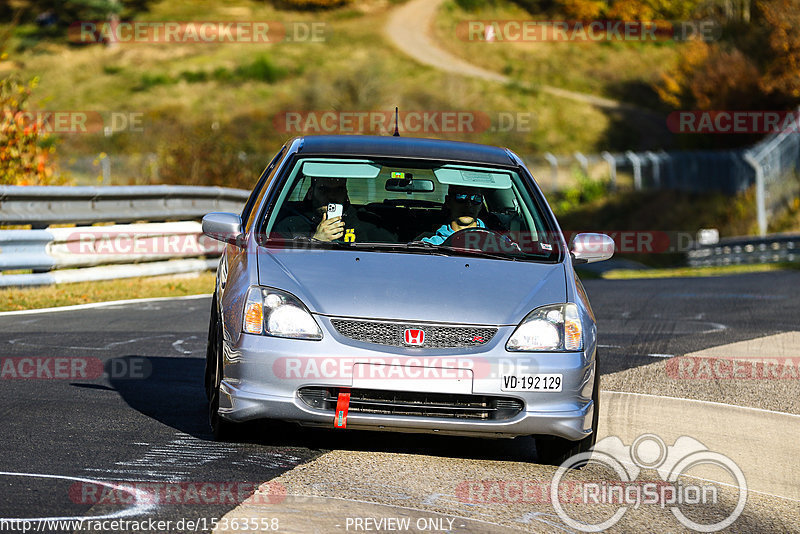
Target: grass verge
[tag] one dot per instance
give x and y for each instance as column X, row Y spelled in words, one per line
column 201, row 105
column 85, row 292
column 624, row 70
column 689, row 272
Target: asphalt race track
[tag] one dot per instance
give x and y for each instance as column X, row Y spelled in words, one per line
column 133, row 412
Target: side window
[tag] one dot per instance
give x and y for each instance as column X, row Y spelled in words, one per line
column 260, row 188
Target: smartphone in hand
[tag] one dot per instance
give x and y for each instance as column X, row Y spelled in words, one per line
column 334, row 210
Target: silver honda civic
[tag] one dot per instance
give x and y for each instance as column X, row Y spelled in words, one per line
column 404, row 285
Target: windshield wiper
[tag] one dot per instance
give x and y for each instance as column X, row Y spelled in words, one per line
column 430, row 248
column 304, row 241
column 414, row 246
column 411, row 246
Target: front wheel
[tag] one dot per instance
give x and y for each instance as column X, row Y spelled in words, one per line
column 221, row 429
column 553, row 450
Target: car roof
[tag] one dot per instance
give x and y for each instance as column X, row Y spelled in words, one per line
column 405, row 147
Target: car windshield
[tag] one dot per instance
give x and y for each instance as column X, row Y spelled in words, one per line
column 413, row 206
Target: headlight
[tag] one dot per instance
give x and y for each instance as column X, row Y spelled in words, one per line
column 555, row 327
column 277, row 313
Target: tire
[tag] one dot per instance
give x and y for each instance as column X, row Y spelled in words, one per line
column 222, row 429
column 552, row 450
column 211, row 349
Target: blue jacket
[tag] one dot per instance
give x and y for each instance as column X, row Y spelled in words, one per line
column 444, row 232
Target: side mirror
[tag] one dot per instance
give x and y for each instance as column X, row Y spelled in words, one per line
column 226, row 227
column 589, row 248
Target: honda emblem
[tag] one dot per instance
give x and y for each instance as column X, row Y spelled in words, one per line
column 414, row 336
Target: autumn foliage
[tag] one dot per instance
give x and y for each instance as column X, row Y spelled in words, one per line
column 754, row 66
column 26, row 152
column 311, row 4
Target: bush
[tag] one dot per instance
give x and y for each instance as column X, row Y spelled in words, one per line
column 262, row 69
column 306, row 5
column 26, row 150
column 204, row 154
column 473, row 5
column 585, row 191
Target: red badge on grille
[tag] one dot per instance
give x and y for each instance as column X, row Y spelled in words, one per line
column 414, row 336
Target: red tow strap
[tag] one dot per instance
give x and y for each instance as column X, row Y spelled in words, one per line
column 342, row 405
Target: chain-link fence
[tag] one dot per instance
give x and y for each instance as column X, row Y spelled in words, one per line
column 772, row 165
column 776, row 164
column 107, row 169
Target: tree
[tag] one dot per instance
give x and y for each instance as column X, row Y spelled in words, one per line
column 754, row 66
column 26, row 151
column 782, row 71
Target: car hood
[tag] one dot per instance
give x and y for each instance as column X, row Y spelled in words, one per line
column 415, row 287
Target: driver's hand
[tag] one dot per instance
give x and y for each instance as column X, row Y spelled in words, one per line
column 329, row 229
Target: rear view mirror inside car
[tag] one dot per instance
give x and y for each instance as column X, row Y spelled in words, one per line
column 400, row 185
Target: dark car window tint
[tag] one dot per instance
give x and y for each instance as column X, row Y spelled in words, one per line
column 377, row 190
column 260, row 188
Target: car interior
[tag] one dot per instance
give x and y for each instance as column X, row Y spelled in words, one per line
column 409, row 202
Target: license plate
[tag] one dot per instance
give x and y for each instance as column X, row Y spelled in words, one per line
column 538, row 382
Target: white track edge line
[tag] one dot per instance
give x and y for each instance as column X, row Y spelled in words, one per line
column 700, row 401
column 100, row 304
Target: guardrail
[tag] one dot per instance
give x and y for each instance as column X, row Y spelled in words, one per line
column 747, row 250
column 90, row 253
column 41, row 206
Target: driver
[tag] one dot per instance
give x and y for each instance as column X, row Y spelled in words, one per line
column 463, row 204
column 313, row 220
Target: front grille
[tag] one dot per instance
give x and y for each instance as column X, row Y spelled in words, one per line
column 393, row 333
column 476, row 407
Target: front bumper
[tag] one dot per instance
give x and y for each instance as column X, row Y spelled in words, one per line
column 262, row 376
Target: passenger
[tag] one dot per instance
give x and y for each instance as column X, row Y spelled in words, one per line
column 463, row 205
column 312, row 218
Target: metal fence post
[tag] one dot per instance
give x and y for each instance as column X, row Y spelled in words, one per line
column 553, row 161
column 636, row 161
column 656, row 161
column 583, row 161
column 612, row 168
column 105, row 165
column 761, row 209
